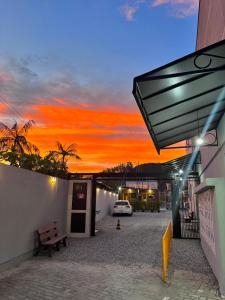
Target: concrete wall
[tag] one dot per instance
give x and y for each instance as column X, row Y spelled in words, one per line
column 211, row 26
column 27, row 201
column 211, row 29
column 104, row 203
column 216, row 168
column 213, row 242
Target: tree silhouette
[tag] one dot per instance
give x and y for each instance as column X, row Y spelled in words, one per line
column 15, row 138
column 65, row 151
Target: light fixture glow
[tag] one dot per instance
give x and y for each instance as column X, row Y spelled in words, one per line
column 129, row 190
column 52, row 180
column 199, row 141
column 119, row 188
column 181, row 171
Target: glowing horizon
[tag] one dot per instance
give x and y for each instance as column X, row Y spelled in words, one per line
column 74, row 78
column 108, row 139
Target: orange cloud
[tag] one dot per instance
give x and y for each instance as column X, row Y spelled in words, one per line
column 2, row 107
column 104, row 138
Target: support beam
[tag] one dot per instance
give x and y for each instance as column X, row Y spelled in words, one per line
column 175, row 210
column 93, row 206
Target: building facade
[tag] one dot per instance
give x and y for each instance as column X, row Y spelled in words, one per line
column 211, row 190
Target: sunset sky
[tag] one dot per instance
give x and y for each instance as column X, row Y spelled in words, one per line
column 69, row 65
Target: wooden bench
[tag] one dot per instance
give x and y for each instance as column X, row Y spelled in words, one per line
column 49, row 238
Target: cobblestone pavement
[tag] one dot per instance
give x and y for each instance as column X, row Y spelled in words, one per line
column 116, row 264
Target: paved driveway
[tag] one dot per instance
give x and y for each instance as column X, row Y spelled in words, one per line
column 116, row 264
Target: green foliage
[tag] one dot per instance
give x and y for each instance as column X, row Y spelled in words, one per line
column 145, row 205
column 47, row 164
column 17, row 151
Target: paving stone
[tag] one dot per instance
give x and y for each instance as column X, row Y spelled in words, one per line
column 114, row 265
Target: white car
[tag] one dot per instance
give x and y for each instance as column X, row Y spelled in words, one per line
column 122, row 207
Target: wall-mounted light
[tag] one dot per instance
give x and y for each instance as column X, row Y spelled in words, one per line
column 119, row 188
column 181, row 172
column 129, row 190
column 199, row 141
column 52, row 180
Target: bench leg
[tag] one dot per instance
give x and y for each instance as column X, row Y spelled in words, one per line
column 50, row 251
column 64, row 242
column 37, row 250
column 57, row 246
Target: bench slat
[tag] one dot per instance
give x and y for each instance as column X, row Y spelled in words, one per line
column 46, row 228
column 54, row 240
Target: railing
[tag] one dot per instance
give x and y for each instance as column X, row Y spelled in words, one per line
column 166, row 240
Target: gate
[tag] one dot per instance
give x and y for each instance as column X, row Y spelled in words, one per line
column 189, row 212
column 79, row 208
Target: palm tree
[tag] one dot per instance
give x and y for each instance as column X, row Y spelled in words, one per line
column 15, row 138
column 66, row 151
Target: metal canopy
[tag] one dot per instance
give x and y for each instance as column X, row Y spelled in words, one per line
column 176, row 100
column 181, row 163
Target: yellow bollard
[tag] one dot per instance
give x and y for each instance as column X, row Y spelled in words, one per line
column 166, row 241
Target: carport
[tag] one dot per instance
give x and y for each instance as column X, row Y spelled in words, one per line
column 184, row 99
column 182, row 104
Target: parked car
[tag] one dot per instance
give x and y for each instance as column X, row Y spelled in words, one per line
column 122, row 207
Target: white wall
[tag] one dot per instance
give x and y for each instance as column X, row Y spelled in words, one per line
column 216, row 168
column 214, row 175
column 211, row 29
column 211, row 26
column 27, row 201
column 104, row 203
column 212, row 240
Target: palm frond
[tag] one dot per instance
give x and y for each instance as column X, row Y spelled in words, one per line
column 35, row 149
column 72, row 148
column 27, row 126
column 4, row 128
column 15, row 126
column 29, row 147
column 6, row 139
column 19, row 148
column 60, row 146
column 76, row 156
